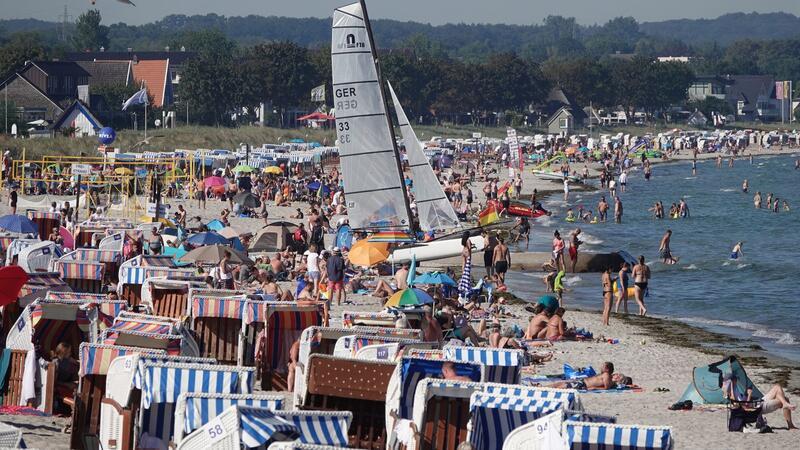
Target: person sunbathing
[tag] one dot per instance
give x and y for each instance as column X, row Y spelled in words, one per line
column 605, row 380
column 504, row 340
column 555, row 326
column 270, row 287
column 538, row 322
column 383, row 289
column 449, row 373
column 773, row 400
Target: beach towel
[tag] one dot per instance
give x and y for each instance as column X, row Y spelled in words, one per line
column 28, row 379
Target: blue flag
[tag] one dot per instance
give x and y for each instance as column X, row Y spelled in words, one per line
column 138, row 98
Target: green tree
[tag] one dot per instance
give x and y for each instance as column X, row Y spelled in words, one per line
column 21, row 47
column 586, row 80
column 89, row 33
column 711, row 105
column 6, row 120
column 115, row 95
column 286, row 73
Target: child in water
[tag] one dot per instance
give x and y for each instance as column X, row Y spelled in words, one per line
column 737, row 251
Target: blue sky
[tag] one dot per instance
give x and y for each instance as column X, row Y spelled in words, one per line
column 428, row 11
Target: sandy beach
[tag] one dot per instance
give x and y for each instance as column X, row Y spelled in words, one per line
column 655, row 353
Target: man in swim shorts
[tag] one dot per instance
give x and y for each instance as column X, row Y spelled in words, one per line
column 501, row 260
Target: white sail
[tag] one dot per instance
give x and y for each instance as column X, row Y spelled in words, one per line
column 373, row 186
column 434, row 210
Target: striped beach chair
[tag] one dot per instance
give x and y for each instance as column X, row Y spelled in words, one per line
column 168, row 297
column 45, row 221
column 370, row 319
column 195, row 409
column 142, row 330
column 570, row 396
column 284, row 322
column 586, row 436
column 94, row 362
column 133, row 272
column 494, row 417
column 82, row 276
column 217, row 319
column 502, row 366
column 241, row 427
column 141, row 404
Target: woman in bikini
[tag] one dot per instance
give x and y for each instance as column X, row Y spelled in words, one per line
column 622, row 292
column 607, row 292
column 641, row 276
column 555, row 326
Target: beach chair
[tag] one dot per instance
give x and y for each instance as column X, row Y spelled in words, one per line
column 217, row 319
column 570, row 396
column 10, row 437
column 370, row 319
column 440, row 414
column 493, row 417
column 408, row 373
column 146, row 331
column 11, row 380
column 44, row 324
column 38, row 285
column 82, row 276
column 45, row 221
column 558, row 431
column 241, row 427
column 94, row 362
column 134, row 271
column 195, row 409
column 167, row 297
column 110, row 259
column 17, row 245
column 141, row 394
column 380, row 347
column 39, row 257
column 348, row 384
column 283, row 324
column 502, row 366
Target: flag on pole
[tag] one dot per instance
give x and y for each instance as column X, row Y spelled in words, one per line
column 318, row 93
column 138, row 98
column 779, row 90
column 488, row 216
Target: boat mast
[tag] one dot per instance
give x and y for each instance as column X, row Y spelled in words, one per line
column 389, row 123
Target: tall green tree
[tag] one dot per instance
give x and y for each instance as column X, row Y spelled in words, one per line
column 21, row 47
column 210, row 85
column 90, row 34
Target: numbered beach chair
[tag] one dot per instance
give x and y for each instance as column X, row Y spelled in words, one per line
column 494, row 417
column 195, row 409
column 139, row 407
column 241, row 427
column 283, row 324
column 370, row 319
column 569, row 396
column 94, row 362
column 217, row 319
column 39, row 257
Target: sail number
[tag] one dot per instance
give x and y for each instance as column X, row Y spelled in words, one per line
column 345, row 99
column 343, row 127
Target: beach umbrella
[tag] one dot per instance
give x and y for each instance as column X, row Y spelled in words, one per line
column 394, row 237
column 365, row 253
column 243, row 168
column 215, row 225
column 215, row 181
column 435, row 278
column 412, row 271
column 176, row 253
column 66, row 236
column 12, row 278
column 409, row 297
column 316, row 186
column 213, row 254
column 207, row 238
column 15, row 223
column 247, row 199
column 273, row 170
column 229, row 232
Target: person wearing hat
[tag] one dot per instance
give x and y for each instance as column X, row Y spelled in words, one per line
column 335, row 268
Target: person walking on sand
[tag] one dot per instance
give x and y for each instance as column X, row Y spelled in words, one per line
column 501, row 260
column 335, row 268
column 574, row 243
column 607, row 292
column 622, row 288
column 641, row 277
column 664, row 250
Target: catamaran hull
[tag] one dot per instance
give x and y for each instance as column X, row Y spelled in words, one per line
column 434, row 250
column 554, row 176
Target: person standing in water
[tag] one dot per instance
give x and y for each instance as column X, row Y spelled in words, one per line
column 694, row 168
column 664, row 250
column 769, row 200
column 683, row 209
column 617, row 210
column 558, row 251
column 641, row 277
column 745, row 186
column 602, row 209
column 757, row 200
column 574, row 243
column 607, row 292
column 566, row 188
column 501, row 260
column 737, row 251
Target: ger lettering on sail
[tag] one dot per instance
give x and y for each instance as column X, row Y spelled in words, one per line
column 373, row 181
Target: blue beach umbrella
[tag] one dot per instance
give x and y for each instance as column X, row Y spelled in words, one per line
column 207, row 238
column 435, row 278
column 18, row 224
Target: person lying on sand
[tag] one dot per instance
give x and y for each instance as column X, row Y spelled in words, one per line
column 607, row 379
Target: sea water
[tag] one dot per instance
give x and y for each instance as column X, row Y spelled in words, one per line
column 757, row 296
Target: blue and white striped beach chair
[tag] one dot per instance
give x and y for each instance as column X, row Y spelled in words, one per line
column 241, row 427
column 493, row 417
column 570, row 396
column 195, row 409
column 591, row 436
column 320, row 427
column 502, row 366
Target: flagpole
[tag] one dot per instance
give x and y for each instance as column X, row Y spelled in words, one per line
column 145, row 119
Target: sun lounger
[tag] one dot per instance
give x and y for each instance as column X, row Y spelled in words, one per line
column 94, row 362
column 241, row 427
column 141, row 396
column 195, row 409
column 493, row 417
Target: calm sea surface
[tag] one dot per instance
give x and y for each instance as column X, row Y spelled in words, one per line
column 757, row 296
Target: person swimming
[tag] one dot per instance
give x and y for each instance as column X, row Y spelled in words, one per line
column 745, row 186
column 737, row 251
